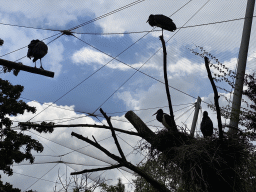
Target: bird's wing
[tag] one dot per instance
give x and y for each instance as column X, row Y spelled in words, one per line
column 40, row 50
column 168, row 122
column 165, row 22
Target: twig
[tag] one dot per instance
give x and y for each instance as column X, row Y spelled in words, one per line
column 113, row 134
column 216, row 97
column 98, row 146
column 94, row 139
column 98, row 169
column 160, row 187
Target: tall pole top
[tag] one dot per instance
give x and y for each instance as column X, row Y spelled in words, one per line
column 242, row 59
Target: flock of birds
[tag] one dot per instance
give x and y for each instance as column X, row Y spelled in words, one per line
column 38, row 49
column 168, row 122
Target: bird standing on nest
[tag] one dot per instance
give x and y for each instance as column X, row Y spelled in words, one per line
column 166, row 120
column 37, row 49
column 206, row 125
column 161, row 21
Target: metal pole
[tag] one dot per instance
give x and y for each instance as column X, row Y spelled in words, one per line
column 242, row 58
column 197, row 107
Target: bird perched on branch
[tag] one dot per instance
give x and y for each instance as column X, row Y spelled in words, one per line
column 166, row 120
column 37, row 49
column 161, row 21
column 206, row 125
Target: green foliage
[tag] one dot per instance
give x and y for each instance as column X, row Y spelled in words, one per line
column 119, row 187
column 38, row 129
column 9, row 69
column 15, row 146
column 167, row 174
column 7, row 187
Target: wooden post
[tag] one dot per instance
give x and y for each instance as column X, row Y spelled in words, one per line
column 29, row 69
column 197, row 106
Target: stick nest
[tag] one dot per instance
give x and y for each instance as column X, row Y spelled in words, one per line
column 207, row 164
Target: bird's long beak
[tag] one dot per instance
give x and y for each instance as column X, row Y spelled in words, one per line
column 154, row 113
column 147, row 20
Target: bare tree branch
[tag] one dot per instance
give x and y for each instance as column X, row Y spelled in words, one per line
column 216, row 97
column 140, row 126
column 29, row 69
column 166, row 81
column 98, row 169
column 160, row 187
column 113, row 134
column 79, row 125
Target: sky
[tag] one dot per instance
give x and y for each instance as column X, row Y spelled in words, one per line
column 98, row 69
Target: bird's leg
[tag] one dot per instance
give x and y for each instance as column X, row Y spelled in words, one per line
column 35, row 64
column 41, row 65
column 162, row 32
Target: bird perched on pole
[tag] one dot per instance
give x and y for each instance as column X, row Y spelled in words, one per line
column 162, row 21
column 166, row 120
column 206, row 125
column 37, row 49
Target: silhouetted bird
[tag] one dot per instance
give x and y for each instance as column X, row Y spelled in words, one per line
column 206, row 125
column 161, row 21
column 1, row 42
column 166, row 120
column 37, row 49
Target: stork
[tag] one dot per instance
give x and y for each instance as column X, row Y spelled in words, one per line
column 162, row 21
column 206, row 125
column 37, row 49
column 166, row 120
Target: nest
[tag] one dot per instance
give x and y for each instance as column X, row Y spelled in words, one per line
column 206, row 164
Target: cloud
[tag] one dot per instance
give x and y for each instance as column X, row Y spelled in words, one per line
column 13, row 44
column 60, row 146
column 89, row 56
column 185, row 67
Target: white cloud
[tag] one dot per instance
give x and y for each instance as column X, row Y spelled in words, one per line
column 60, row 149
column 87, row 56
column 185, row 67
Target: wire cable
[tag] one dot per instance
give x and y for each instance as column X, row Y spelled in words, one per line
column 99, row 68
column 78, row 26
column 42, row 176
column 107, row 14
column 34, row 177
column 27, row 46
column 138, row 70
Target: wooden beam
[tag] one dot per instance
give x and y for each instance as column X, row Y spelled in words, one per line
column 29, row 69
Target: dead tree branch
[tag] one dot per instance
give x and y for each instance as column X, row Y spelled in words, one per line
column 166, row 80
column 140, row 126
column 216, row 97
column 98, row 169
column 113, row 134
column 78, row 125
column 29, row 69
column 121, row 160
